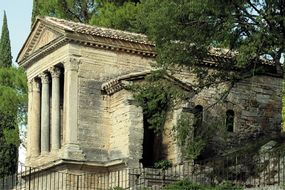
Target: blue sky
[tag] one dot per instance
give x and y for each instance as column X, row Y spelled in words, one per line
column 19, row 13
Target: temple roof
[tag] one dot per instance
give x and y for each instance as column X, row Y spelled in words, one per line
column 98, row 31
column 49, row 33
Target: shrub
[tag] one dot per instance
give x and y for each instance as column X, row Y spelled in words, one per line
column 188, row 185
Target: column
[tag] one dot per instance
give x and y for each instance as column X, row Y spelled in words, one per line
column 71, row 145
column 45, row 113
column 55, row 113
column 29, row 131
column 34, row 121
column 71, row 100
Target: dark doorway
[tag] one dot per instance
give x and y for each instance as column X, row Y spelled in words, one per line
column 230, row 120
column 152, row 147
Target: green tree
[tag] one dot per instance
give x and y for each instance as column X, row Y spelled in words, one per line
column 109, row 13
column 76, row 10
column 117, row 14
column 13, row 98
column 183, row 31
column 13, row 103
column 5, row 46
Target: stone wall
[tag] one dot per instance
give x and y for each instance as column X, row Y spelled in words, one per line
column 256, row 103
column 104, row 122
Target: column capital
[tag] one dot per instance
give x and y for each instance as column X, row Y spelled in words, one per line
column 34, row 84
column 72, row 64
column 30, row 86
column 55, row 72
column 44, row 77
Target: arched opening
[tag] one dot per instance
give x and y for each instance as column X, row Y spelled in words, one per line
column 198, row 120
column 230, row 120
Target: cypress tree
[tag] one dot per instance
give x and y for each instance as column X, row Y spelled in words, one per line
column 5, row 46
column 13, row 100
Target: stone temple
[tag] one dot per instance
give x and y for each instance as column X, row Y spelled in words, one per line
column 82, row 118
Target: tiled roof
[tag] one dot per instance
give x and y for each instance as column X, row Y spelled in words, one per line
column 98, row 31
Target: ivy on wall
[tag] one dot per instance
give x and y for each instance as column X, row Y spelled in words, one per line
column 157, row 95
column 190, row 146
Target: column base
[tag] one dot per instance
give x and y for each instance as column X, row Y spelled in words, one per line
column 73, row 152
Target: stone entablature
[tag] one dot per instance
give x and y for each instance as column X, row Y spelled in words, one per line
column 80, row 111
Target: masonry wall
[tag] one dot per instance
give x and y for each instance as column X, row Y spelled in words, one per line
column 255, row 101
column 171, row 150
column 99, row 118
column 127, row 128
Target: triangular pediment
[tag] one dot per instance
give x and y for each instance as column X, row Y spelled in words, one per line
column 41, row 37
column 46, row 37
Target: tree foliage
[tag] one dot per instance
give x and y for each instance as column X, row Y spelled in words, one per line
column 188, row 185
column 5, row 46
column 119, row 15
column 157, row 96
column 183, row 31
column 13, row 98
column 77, row 10
column 109, row 13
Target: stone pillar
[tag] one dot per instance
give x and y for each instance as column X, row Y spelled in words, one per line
column 55, row 113
column 34, row 120
column 72, row 149
column 30, row 102
column 45, row 114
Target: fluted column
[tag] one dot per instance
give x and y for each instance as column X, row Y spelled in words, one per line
column 45, row 113
column 34, row 121
column 55, row 114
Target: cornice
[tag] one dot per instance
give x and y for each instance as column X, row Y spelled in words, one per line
column 115, row 85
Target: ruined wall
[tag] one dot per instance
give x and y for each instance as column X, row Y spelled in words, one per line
column 256, row 103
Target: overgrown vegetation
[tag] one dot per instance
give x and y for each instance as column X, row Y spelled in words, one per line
column 163, row 164
column 188, row 185
column 157, row 96
column 190, row 146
